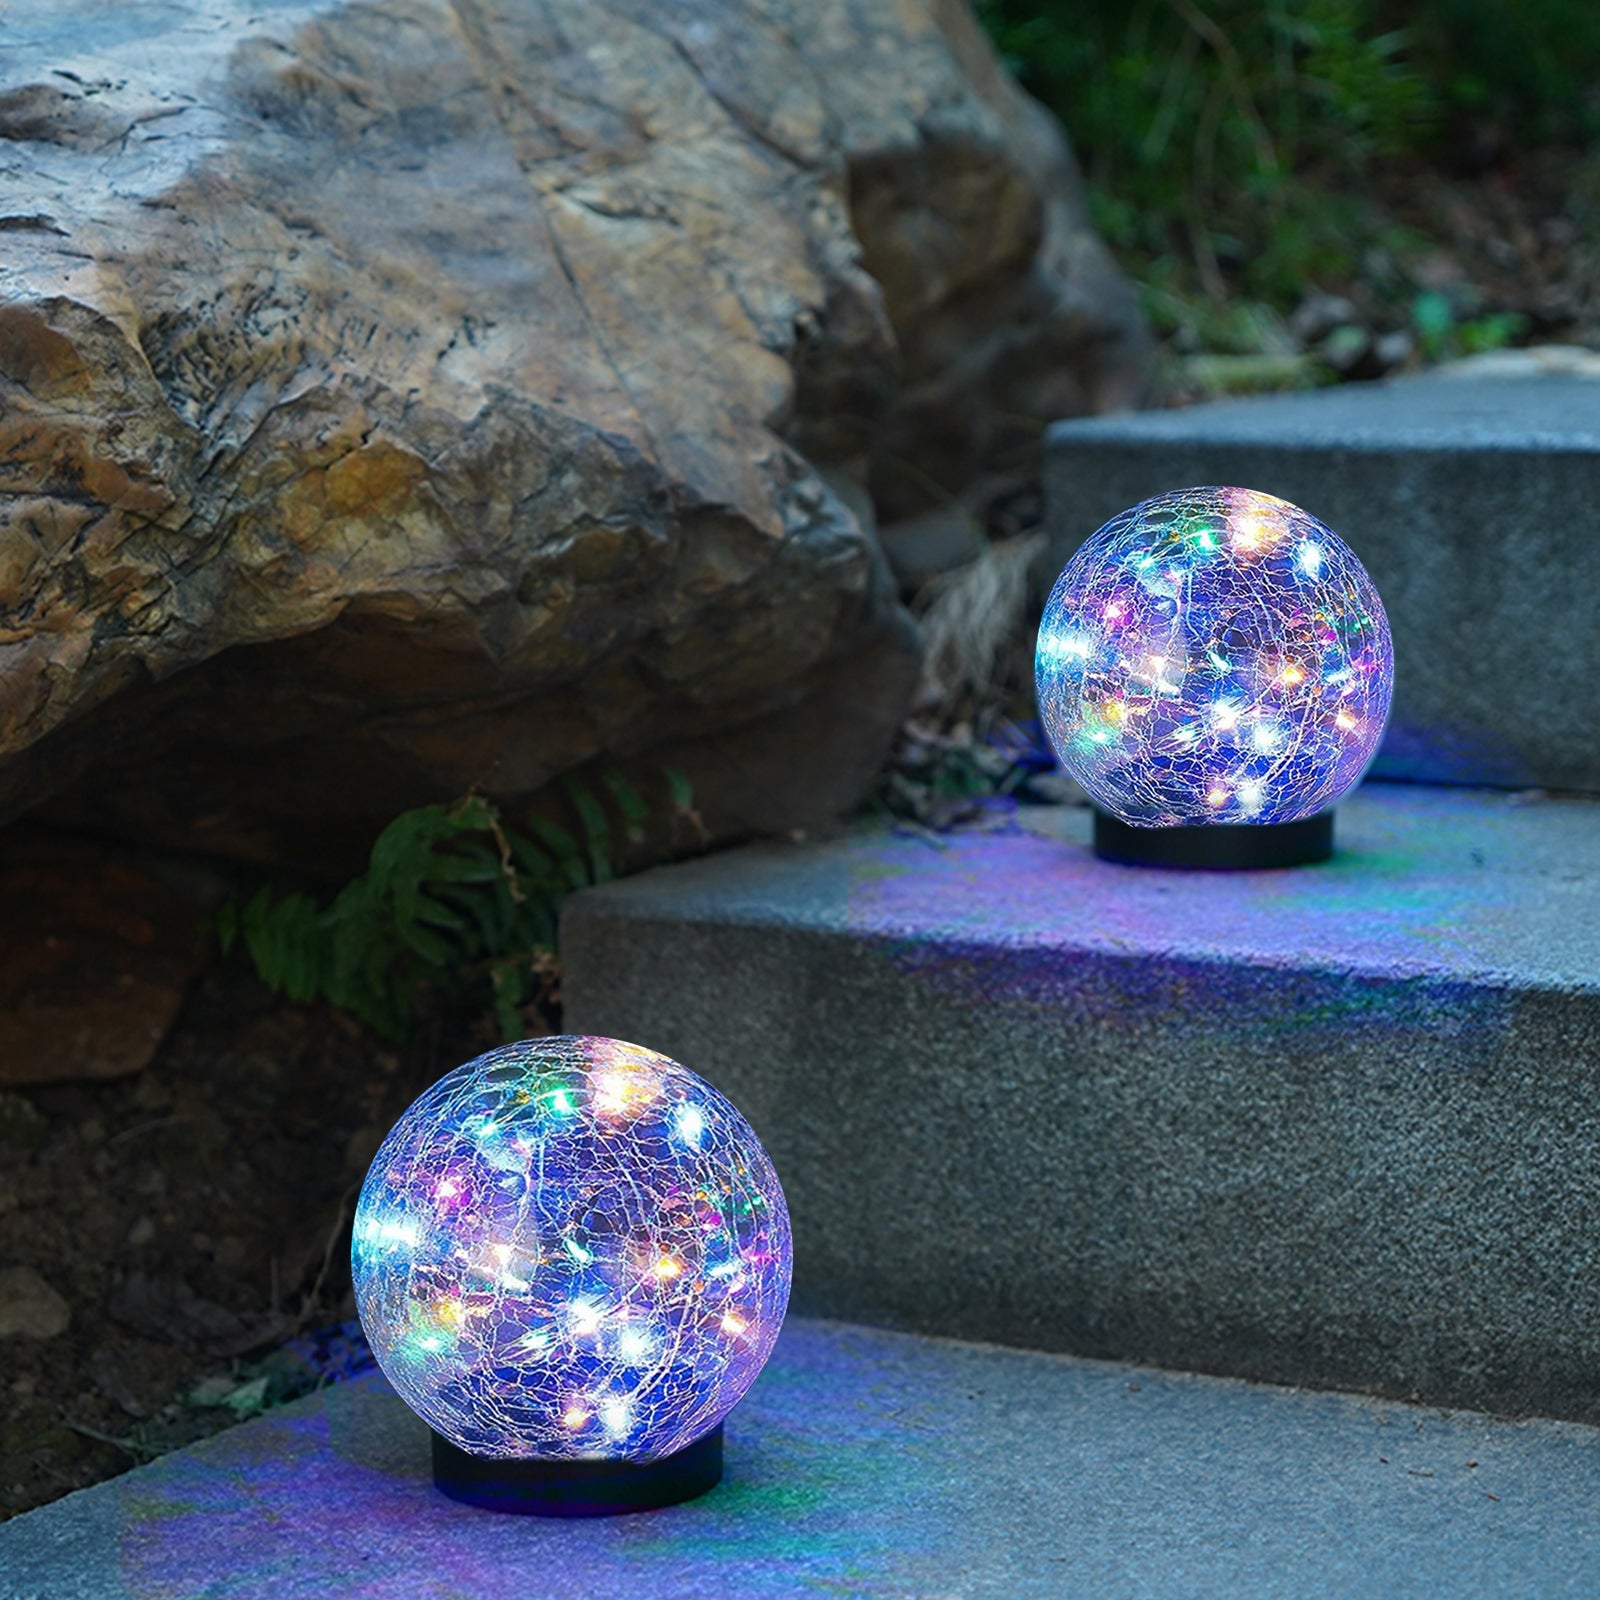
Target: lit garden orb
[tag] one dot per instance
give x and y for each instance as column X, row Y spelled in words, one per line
column 571, row 1259
column 1215, row 658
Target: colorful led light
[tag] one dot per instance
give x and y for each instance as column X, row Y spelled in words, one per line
column 571, row 1249
column 1214, row 656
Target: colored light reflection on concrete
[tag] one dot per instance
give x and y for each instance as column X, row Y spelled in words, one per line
column 868, row 1464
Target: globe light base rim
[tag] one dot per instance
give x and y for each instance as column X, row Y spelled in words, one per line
column 581, row 1488
column 1220, row 847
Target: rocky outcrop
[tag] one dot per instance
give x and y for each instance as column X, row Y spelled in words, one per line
column 404, row 396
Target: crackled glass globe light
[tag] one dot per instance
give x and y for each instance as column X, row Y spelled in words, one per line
column 571, row 1259
column 1214, row 658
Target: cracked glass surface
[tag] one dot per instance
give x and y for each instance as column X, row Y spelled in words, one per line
column 574, row 1248
column 1214, row 655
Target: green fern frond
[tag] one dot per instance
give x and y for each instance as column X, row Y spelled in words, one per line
column 454, row 899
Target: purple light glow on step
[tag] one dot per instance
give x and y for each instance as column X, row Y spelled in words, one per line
column 332, row 1497
column 1214, row 655
column 1429, row 884
column 571, row 1248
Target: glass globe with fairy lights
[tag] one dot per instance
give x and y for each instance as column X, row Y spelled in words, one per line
column 571, row 1259
column 1215, row 668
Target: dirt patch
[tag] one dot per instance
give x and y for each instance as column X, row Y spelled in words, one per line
column 191, row 1218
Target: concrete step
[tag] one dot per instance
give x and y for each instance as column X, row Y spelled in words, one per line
column 1475, row 504
column 1336, row 1126
column 874, row 1464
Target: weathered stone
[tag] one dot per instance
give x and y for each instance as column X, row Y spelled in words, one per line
column 453, row 381
column 22, row 1128
column 1531, row 361
column 936, row 541
column 1318, row 314
column 164, row 1307
column 29, row 1307
column 97, row 951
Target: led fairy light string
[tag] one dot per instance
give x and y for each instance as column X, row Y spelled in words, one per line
column 1214, row 655
column 571, row 1248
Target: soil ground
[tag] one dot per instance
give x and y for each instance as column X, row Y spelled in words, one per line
column 195, row 1217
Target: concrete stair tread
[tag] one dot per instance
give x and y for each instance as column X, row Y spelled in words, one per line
column 1448, row 413
column 1477, row 886
column 875, row 1464
column 1334, row 1126
column 1473, row 502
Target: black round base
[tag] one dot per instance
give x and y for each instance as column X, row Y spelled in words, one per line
column 1224, row 846
column 578, row 1488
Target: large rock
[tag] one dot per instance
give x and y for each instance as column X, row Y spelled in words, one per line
column 477, row 391
column 29, row 1307
column 98, row 947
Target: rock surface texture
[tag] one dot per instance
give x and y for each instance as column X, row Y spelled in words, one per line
column 405, row 396
column 29, row 1307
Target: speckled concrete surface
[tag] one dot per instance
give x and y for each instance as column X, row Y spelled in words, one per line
column 867, row 1464
column 1474, row 503
column 1336, row 1126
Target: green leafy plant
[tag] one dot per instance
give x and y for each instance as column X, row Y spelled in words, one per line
column 1196, row 120
column 1531, row 63
column 1443, row 331
column 456, row 899
column 1236, row 149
